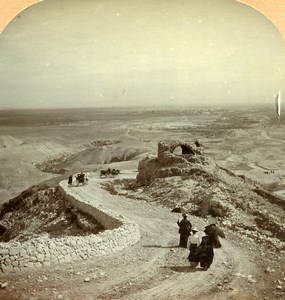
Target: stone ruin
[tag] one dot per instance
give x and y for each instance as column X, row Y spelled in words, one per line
column 174, row 158
column 189, row 152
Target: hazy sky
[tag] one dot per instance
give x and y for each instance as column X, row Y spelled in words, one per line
column 67, row 53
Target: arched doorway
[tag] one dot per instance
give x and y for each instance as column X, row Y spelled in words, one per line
column 182, row 149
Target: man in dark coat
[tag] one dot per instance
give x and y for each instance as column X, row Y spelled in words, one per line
column 184, row 230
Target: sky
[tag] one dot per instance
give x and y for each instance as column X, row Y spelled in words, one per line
column 88, row 53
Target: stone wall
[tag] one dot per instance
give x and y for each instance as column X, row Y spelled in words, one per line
column 45, row 251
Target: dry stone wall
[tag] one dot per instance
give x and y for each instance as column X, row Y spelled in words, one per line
column 44, row 251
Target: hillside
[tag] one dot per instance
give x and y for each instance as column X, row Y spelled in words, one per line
column 252, row 255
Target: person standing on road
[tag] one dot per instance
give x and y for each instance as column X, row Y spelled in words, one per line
column 205, row 252
column 184, row 230
column 194, row 244
column 70, row 180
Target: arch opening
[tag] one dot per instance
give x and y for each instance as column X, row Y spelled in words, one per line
column 182, row 150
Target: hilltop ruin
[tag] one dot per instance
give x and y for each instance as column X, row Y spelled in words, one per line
column 173, row 159
column 190, row 180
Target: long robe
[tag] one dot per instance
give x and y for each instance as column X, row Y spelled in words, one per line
column 205, row 252
column 184, row 230
column 194, row 243
column 193, row 253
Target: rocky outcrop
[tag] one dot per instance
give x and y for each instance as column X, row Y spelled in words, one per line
column 168, row 163
column 190, row 152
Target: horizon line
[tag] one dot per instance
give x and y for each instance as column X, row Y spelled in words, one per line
column 245, row 104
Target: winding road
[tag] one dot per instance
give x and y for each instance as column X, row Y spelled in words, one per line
column 156, row 268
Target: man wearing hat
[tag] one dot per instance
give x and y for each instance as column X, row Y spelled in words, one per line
column 194, row 244
column 184, row 230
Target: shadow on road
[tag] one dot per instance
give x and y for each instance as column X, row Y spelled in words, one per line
column 183, row 269
column 160, row 246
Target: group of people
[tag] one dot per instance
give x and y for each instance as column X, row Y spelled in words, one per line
column 201, row 249
column 269, row 172
column 80, row 178
column 109, row 172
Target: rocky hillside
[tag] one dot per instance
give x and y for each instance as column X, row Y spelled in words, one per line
column 97, row 152
column 200, row 187
column 41, row 210
column 188, row 180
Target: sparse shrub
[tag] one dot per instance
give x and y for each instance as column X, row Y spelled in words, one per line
column 217, row 210
column 266, row 223
column 207, row 206
column 110, row 188
column 214, row 209
column 241, row 205
column 36, row 200
column 130, row 184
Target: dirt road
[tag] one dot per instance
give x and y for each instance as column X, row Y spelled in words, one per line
column 154, row 268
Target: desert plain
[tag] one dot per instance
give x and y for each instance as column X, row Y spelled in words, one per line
column 46, row 146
